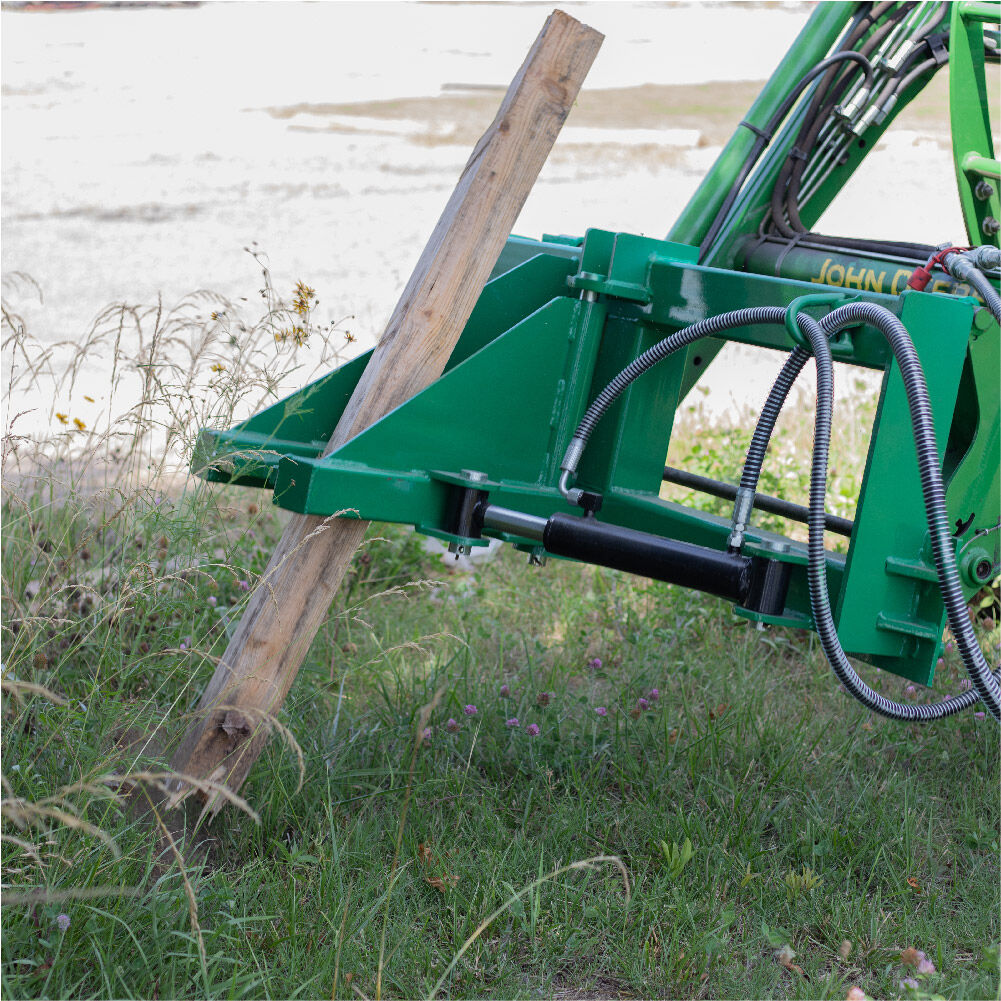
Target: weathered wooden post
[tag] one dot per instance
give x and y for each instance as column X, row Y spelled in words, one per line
column 283, row 616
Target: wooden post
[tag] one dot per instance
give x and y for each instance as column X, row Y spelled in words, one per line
column 283, row 615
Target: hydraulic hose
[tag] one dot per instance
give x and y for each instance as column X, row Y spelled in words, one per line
column 825, row 97
column 965, row 270
column 765, row 136
column 985, row 684
column 798, row 357
column 820, row 602
column 658, row 352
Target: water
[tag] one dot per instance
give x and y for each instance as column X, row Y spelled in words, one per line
column 140, row 157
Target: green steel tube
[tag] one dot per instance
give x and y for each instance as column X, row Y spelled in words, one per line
column 984, row 166
column 980, row 10
column 812, row 44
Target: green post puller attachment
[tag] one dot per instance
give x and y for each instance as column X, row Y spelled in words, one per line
column 550, row 426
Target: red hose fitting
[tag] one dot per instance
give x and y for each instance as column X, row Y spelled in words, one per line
column 922, row 275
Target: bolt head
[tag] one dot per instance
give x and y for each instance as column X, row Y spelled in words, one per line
column 983, row 191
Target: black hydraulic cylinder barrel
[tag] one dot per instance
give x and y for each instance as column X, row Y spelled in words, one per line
column 724, row 574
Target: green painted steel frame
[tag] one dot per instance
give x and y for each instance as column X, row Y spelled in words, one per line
column 972, row 143
column 562, row 316
column 545, row 337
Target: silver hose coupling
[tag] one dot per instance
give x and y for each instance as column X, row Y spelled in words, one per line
column 853, row 105
column 894, row 62
column 959, row 266
column 571, row 458
column 985, row 257
column 743, row 505
column 885, row 108
column 871, row 114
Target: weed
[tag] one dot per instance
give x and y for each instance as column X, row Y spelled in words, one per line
column 676, row 858
column 804, row 881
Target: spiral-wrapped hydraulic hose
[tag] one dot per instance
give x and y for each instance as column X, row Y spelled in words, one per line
column 704, row 328
column 985, row 684
column 964, row 268
column 798, row 357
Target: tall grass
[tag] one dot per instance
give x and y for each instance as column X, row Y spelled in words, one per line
column 722, row 828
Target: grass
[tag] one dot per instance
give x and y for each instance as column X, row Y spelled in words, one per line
column 756, row 834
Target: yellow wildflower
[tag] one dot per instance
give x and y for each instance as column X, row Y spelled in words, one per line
column 218, row 368
column 80, row 426
column 62, row 418
column 302, row 298
column 89, row 399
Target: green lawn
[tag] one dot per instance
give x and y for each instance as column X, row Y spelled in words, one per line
column 773, row 840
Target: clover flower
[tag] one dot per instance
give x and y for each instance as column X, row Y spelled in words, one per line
column 63, row 920
column 654, row 694
column 470, row 710
column 601, row 711
column 642, row 704
column 452, row 726
column 512, row 722
column 505, row 691
column 594, row 664
column 532, row 730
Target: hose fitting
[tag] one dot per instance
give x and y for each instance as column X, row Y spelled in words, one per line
column 743, row 505
column 853, row 105
column 571, row 458
column 965, row 267
column 986, row 257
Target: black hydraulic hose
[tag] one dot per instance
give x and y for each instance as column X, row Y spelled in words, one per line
column 979, row 281
column 798, row 357
column 985, row 684
column 928, row 66
column 762, row 141
column 824, row 99
column 901, row 80
column 682, row 338
column 749, row 480
column 807, row 139
column 918, row 251
column 896, row 85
